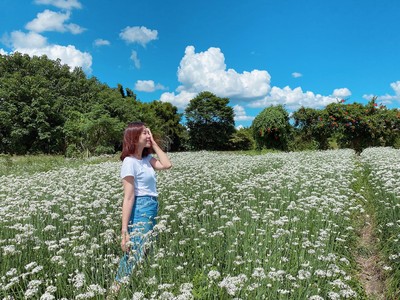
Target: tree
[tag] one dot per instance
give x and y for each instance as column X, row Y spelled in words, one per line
column 30, row 120
column 271, row 128
column 130, row 93
column 169, row 124
column 310, row 128
column 361, row 126
column 92, row 133
column 210, row 122
column 242, row 139
column 45, row 107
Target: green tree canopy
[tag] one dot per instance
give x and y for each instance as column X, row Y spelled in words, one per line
column 210, row 122
column 361, row 126
column 309, row 127
column 353, row 125
column 242, row 139
column 45, row 107
column 271, row 128
column 172, row 131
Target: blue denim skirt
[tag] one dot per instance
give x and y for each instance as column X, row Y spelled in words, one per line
column 141, row 223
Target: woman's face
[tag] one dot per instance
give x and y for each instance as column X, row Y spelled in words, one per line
column 144, row 138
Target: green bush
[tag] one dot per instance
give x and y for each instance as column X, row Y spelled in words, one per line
column 271, row 128
column 242, row 139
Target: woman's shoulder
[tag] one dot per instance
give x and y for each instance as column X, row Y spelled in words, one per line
column 129, row 160
column 134, row 160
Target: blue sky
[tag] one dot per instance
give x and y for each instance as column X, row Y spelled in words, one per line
column 255, row 52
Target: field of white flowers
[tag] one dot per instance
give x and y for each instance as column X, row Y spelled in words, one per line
column 230, row 226
column 382, row 165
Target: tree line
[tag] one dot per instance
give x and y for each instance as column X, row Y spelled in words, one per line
column 45, row 107
column 338, row 125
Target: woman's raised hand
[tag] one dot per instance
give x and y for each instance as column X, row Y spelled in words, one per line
column 151, row 136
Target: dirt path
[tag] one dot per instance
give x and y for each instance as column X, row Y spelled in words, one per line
column 367, row 256
column 369, row 262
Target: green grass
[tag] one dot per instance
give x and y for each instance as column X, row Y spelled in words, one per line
column 30, row 164
column 381, row 173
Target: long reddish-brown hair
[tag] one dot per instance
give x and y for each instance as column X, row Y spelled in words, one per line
column 131, row 138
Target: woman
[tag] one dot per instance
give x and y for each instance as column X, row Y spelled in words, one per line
column 140, row 205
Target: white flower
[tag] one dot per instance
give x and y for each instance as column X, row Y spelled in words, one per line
column 213, row 275
column 47, row 296
column 258, row 273
column 33, row 287
column 232, row 284
column 166, row 296
column 9, row 249
column 30, row 265
column 387, row 268
column 11, row 272
column 78, row 280
column 303, row 274
column 333, row 296
column 49, row 228
column 138, row 296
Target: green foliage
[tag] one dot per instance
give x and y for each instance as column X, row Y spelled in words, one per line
column 242, row 139
column 396, row 142
column 168, row 122
column 31, row 164
column 361, row 126
column 354, row 126
column 92, row 132
column 200, row 290
column 45, row 107
column 271, row 128
column 310, row 131
column 300, row 142
column 30, row 118
column 381, row 178
column 210, row 122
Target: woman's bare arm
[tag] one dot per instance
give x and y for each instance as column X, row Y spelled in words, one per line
column 127, row 204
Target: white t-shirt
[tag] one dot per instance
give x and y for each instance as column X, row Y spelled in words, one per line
column 143, row 173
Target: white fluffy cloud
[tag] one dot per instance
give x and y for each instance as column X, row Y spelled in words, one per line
column 148, row 86
column 64, row 4
column 180, row 100
column 67, row 54
column 3, row 52
column 135, row 59
column 101, row 42
column 239, row 127
column 240, row 114
column 294, row 98
column 140, row 35
column 388, row 99
column 341, row 93
column 35, row 44
column 206, row 71
column 53, row 21
column 396, row 87
column 296, row 75
column 21, row 39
